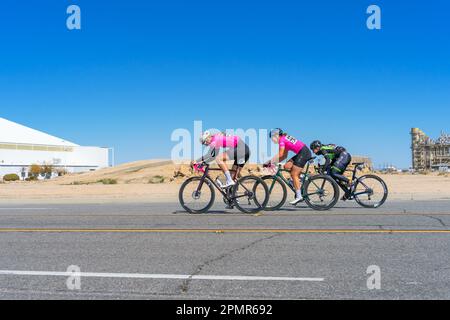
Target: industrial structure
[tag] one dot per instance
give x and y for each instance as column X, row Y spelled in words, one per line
column 21, row 147
column 429, row 154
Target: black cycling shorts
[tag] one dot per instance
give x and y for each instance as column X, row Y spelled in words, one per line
column 240, row 154
column 302, row 157
column 342, row 162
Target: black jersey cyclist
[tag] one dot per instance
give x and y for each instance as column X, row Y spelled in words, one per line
column 337, row 160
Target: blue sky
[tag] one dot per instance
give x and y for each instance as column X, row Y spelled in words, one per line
column 140, row 69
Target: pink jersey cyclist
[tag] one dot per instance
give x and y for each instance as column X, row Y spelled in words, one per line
column 236, row 148
column 297, row 163
column 291, row 144
column 223, row 141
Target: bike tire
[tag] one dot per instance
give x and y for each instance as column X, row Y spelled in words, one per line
column 209, row 204
column 269, row 180
column 260, row 205
column 315, row 179
column 384, row 186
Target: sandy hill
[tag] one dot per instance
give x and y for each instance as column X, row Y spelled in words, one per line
column 145, row 171
column 133, row 172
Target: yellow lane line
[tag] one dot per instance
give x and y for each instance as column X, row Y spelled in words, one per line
column 37, row 230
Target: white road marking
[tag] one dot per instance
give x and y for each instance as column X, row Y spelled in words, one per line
column 27, row 208
column 154, row 276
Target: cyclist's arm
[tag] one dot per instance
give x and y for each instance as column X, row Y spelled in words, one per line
column 328, row 157
column 210, row 155
column 282, row 155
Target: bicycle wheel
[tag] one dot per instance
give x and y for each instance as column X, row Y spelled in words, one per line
column 250, row 194
column 321, row 192
column 277, row 192
column 196, row 201
column 370, row 191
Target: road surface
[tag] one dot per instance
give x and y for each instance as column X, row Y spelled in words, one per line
column 157, row 251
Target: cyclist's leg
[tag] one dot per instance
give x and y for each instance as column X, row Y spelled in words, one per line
column 241, row 155
column 221, row 161
column 339, row 166
column 337, row 172
column 298, row 164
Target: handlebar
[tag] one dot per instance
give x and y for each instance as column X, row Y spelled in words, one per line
column 200, row 167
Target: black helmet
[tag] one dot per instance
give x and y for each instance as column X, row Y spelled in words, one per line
column 276, row 132
column 316, row 144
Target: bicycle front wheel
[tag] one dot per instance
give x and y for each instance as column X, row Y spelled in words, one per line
column 321, row 192
column 250, row 194
column 196, row 199
column 277, row 192
column 370, row 191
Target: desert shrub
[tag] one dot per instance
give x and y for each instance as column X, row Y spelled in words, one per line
column 107, row 181
column 34, row 171
column 11, row 177
column 156, row 179
column 46, row 171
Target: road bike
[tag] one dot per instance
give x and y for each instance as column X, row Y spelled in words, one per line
column 250, row 194
column 319, row 192
column 369, row 191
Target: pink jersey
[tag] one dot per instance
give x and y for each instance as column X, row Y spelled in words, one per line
column 222, row 141
column 291, row 144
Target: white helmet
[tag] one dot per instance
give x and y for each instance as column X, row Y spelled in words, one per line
column 205, row 136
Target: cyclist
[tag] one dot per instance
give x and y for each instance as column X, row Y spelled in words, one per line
column 295, row 164
column 337, row 160
column 236, row 149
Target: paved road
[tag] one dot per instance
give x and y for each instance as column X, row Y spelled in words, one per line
column 156, row 251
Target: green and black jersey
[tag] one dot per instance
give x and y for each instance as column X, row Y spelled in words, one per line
column 331, row 151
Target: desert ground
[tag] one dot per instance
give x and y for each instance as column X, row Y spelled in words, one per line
column 159, row 181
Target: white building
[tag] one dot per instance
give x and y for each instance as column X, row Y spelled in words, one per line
column 20, row 147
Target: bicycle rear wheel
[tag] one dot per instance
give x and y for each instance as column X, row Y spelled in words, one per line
column 321, row 192
column 370, row 191
column 195, row 200
column 277, row 192
column 250, row 194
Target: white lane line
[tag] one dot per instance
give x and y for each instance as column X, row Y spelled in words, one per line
column 15, row 208
column 154, row 276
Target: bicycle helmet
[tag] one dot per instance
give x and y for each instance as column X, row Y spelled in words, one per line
column 316, row 144
column 275, row 132
column 205, row 136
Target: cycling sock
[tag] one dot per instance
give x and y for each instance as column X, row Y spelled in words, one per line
column 228, row 176
column 298, row 194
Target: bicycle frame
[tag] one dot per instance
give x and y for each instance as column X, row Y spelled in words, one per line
column 352, row 188
column 303, row 179
column 206, row 176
